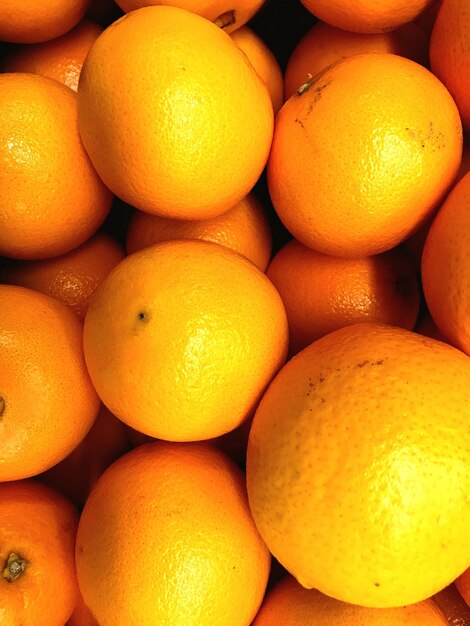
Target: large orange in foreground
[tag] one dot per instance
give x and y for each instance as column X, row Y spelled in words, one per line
column 358, row 465
column 169, row 528
column 182, row 338
column 363, row 153
column 47, row 401
column 178, row 124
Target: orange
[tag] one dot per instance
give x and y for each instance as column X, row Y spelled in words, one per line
column 227, row 14
column 244, row 228
column 71, row 277
column 366, row 16
column 185, row 136
column 82, row 616
column 322, row 293
column 323, row 45
column 351, row 179
column 200, row 558
column 182, row 338
column 30, row 21
column 47, row 402
column 55, row 200
column 358, row 465
column 463, row 585
column 264, row 62
column 38, row 526
column 74, row 477
column 450, row 52
column 445, row 266
column 453, row 605
column 290, row 604
column 61, row 58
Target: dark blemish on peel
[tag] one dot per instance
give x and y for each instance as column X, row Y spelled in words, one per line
column 225, row 19
column 377, row 584
column 143, row 316
column 362, row 363
column 2, row 406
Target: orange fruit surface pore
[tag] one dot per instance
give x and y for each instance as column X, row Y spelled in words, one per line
column 182, row 338
column 61, row 58
column 264, row 62
column 30, row 21
column 366, row 16
column 55, row 199
column 38, row 583
column 358, row 465
column 71, row 277
column 227, row 14
column 363, row 154
column 184, row 516
column 244, row 228
column 179, row 125
column 47, row 402
column 290, row 604
column 445, row 266
column 450, row 52
column 322, row 293
column 323, row 45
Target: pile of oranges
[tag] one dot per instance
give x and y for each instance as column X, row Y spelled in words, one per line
column 234, row 313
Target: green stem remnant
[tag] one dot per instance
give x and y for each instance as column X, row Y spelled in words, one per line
column 304, row 87
column 14, row 567
column 2, row 406
column 225, row 20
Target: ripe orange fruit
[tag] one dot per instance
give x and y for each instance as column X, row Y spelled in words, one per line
column 322, row 293
column 245, row 228
column 450, row 52
column 201, row 559
column 186, row 136
column 61, row 58
column 47, row 402
column 358, row 465
column 323, row 45
column 74, row 477
column 264, row 62
column 227, row 14
column 71, row 277
column 445, row 266
column 30, row 21
column 290, row 604
column 366, row 16
column 55, row 200
column 38, row 528
column 356, row 180
column 182, row 338
column 463, row 585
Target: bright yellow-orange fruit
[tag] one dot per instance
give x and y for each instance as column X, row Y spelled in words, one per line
column 227, row 14
column 264, row 62
column 30, row 21
column 323, row 45
column 450, row 52
column 358, row 465
column 53, row 199
column 363, row 153
column 61, row 58
column 290, row 604
column 47, row 401
column 366, row 16
column 38, row 583
column 185, row 135
column 181, row 510
column 182, row 338
column 244, row 228
column 445, row 266
column 322, row 293
column 71, row 277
